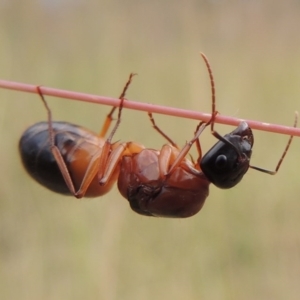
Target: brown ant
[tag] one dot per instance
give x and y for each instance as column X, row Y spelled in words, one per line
column 71, row 160
column 166, row 184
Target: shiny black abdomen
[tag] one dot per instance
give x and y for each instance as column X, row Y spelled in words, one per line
column 38, row 159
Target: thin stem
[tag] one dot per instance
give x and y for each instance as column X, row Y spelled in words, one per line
column 171, row 111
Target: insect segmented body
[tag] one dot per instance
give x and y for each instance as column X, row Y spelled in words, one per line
column 71, row 160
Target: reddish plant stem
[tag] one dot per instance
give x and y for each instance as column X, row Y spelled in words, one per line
column 148, row 107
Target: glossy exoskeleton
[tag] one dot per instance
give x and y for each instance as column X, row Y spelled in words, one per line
column 162, row 183
column 71, row 160
column 166, row 184
column 225, row 164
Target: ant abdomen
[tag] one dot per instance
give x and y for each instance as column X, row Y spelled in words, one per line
column 76, row 145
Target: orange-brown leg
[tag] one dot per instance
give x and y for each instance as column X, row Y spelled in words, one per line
column 61, row 163
column 160, row 131
column 105, row 154
column 109, row 117
column 55, row 151
column 199, row 128
column 99, row 158
column 101, row 164
column 167, row 154
column 115, row 158
column 184, row 151
column 107, row 123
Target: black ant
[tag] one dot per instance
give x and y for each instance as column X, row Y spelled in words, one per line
column 166, row 184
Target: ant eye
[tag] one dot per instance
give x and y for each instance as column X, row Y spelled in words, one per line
column 221, row 161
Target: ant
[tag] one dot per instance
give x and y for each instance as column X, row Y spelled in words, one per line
column 69, row 159
column 166, row 184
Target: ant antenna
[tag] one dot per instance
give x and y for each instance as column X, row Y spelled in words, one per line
column 283, row 154
column 214, row 112
column 213, row 91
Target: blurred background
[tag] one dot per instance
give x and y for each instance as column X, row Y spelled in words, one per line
column 245, row 243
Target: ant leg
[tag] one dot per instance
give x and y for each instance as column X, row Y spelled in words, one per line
column 109, row 117
column 55, row 151
column 107, row 123
column 101, row 159
column 97, row 160
column 282, row 156
column 100, row 164
column 197, row 142
column 211, row 121
column 201, row 125
column 105, row 154
column 115, row 157
column 105, row 166
column 166, row 153
column 198, row 146
column 160, row 131
column 184, row 151
column 60, row 161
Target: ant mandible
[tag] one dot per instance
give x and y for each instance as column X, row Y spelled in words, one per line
column 69, row 159
column 166, row 184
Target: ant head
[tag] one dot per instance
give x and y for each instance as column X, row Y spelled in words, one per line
column 228, row 160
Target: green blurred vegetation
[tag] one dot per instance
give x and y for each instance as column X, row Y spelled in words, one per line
column 245, row 243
